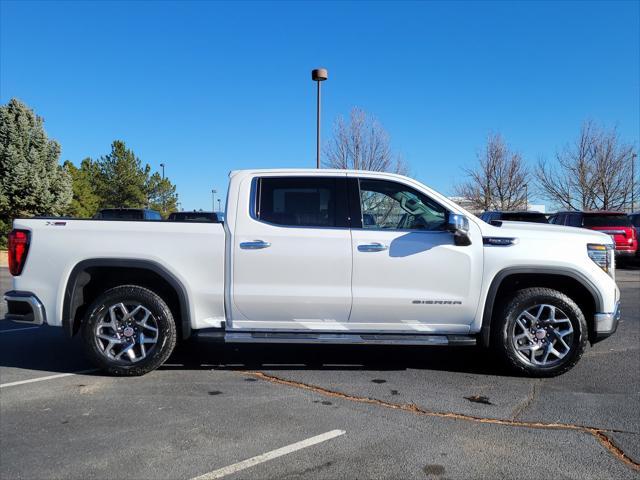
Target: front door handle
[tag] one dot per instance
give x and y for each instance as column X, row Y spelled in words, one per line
column 372, row 247
column 255, row 245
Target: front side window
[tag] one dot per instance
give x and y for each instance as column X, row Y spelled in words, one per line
column 297, row 201
column 394, row 206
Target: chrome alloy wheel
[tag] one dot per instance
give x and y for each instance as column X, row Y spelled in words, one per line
column 542, row 335
column 127, row 332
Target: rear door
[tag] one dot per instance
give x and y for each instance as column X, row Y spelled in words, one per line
column 408, row 275
column 292, row 255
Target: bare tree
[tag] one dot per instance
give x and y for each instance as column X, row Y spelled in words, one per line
column 499, row 181
column 361, row 144
column 595, row 173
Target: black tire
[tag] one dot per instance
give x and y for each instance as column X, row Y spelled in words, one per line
column 164, row 324
column 504, row 328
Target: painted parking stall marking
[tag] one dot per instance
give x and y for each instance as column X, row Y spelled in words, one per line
column 42, row 379
column 265, row 457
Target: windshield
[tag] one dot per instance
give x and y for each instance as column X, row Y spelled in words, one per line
column 606, row 221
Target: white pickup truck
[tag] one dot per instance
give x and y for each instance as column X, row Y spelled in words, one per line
column 318, row 256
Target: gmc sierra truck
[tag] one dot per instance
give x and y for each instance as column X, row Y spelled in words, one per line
column 318, row 256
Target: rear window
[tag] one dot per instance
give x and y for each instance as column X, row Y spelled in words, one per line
column 121, row 215
column 606, row 221
column 524, row 217
column 193, row 217
column 635, row 219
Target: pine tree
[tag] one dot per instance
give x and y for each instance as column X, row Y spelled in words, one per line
column 86, row 184
column 161, row 195
column 32, row 182
column 123, row 179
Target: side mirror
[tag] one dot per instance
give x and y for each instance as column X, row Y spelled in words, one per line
column 459, row 225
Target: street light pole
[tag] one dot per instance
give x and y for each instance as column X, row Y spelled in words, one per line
column 162, row 165
column 213, row 201
column 219, row 209
column 318, row 75
column 633, row 182
column 526, row 197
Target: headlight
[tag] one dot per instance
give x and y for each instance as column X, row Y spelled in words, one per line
column 602, row 255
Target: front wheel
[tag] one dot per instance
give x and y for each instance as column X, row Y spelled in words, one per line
column 128, row 331
column 540, row 332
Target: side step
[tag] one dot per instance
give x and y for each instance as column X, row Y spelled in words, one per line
column 338, row 338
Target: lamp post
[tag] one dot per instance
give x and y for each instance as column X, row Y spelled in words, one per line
column 162, row 165
column 213, row 201
column 318, row 75
column 526, row 197
column 219, row 209
column 633, row 182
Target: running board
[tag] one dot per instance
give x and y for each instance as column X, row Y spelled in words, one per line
column 339, row 338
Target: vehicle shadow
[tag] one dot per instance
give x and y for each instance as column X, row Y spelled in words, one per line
column 49, row 350
column 283, row 357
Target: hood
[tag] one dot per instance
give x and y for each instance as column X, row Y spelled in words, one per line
column 536, row 230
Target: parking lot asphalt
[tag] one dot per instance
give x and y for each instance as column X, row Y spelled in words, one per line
column 360, row 412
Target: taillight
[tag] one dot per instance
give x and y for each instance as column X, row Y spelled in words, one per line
column 18, row 249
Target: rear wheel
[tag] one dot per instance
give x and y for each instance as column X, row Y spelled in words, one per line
column 541, row 332
column 129, row 330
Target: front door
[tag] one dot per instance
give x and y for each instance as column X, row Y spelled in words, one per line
column 292, row 255
column 408, row 275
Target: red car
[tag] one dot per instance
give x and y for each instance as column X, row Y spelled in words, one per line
column 616, row 224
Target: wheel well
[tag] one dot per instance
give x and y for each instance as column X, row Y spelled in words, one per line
column 86, row 283
column 570, row 286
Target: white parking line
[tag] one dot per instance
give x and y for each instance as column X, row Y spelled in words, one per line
column 9, row 330
column 42, row 379
column 250, row 462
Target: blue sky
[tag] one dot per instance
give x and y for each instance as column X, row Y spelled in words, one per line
column 210, row 87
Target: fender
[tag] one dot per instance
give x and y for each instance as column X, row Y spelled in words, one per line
column 485, row 330
column 78, row 278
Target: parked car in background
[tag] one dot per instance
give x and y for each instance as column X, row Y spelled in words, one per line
column 635, row 220
column 127, row 214
column 193, row 217
column 616, row 224
column 533, row 217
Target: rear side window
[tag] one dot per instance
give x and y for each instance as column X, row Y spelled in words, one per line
column 574, row 220
column 559, row 219
column 635, row 219
column 302, row 201
column 607, row 221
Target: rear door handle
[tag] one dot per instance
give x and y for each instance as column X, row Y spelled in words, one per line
column 255, row 245
column 372, row 247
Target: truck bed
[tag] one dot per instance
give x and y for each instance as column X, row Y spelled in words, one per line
column 193, row 253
